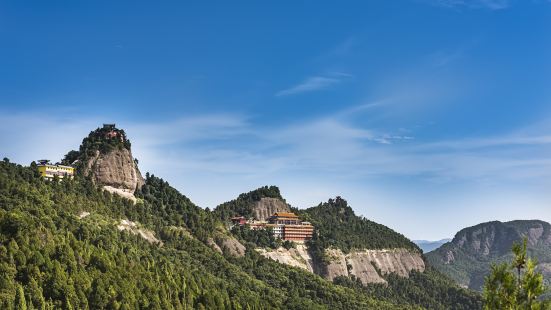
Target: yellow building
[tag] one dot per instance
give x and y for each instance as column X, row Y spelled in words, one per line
column 48, row 170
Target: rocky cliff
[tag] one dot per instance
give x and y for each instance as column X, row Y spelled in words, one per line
column 297, row 257
column 106, row 156
column 258, row 204
column 468, row 257
column 266, row 207
column 116, row 171
column 369, row 266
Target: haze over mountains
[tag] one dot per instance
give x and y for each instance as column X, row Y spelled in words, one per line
column 428, row 246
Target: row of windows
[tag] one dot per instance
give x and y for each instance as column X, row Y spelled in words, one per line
column 59, row 168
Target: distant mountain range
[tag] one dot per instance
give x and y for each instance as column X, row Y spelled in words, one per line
column 468, row 257
column 428, row 246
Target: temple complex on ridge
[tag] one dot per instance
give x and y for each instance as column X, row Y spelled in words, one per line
column 285, row 226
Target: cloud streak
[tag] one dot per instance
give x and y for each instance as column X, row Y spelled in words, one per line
column 473, row 4
column 314, row 83
column 212, row 158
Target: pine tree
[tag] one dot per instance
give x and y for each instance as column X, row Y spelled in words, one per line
column 503, row 289
column 20, row 302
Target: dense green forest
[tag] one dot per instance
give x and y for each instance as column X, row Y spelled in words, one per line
column 338, row 226
column 52, row 258
column 243, row 205
column 429, row 289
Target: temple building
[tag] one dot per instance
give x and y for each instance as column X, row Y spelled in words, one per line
column 239, row 220
column 286, row 226
column 49, row 171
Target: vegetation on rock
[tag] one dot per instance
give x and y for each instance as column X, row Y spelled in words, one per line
column 243, row 205
column 52, row 258
column 469, row 256
column 339, row 227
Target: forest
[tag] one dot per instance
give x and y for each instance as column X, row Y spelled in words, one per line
column 53, row 258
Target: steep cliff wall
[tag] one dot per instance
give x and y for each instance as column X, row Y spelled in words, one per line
column 362, row 264
column 266, row 207
column 468, row 257
column 116, row 171
column 297, row 257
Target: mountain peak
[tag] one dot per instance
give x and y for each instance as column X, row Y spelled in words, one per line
column 105, row 155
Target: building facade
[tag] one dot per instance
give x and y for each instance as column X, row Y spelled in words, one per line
column 288, row 226
column 284, row 225
column 49, row 171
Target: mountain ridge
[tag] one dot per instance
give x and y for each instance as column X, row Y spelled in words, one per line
column 97, row 249
column 467, row 258
column 428, row 245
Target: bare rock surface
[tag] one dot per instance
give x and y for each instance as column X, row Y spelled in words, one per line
column 83, row 214
column 337, row 264
column 362, row 264
column 266, row 207
column 134, row 229
column 298, row 257
column 213, row 245
column 232, row 245
column 116, row 171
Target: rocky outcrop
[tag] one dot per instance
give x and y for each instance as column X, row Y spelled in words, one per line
column 369, row 266
column 148, row 235
column 230, row 245
column 116, row 171
column 297, row 257
column 468, row 257
column 266, row 207
column 213, row 245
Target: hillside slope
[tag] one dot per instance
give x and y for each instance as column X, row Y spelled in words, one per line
column 354, row 252
column 60, row 247
column 467, row 258
column 73, row 243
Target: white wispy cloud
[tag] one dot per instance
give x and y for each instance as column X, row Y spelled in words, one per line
column 212, row 158
column 473, row 4
column 315, row 83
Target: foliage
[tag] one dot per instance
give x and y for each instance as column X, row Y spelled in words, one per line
column 515, row 285
column 468, row 264
column 429, row 289
column 100, row 140
column 243, row 205
column 52, row 258
column 263, row 238
column 337, row 226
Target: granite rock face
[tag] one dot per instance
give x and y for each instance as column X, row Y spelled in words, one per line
column 365, row 265
column 468, row 257
column 297, row 257
column 232, row 246
column 266, row 207
column 116, row 171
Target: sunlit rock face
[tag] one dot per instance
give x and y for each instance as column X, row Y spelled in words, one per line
column 266, row 207
column 116, row 171
column 368, row 265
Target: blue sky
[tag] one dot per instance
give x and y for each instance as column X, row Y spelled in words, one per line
column 426, row 115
